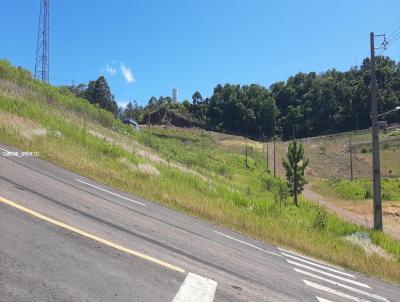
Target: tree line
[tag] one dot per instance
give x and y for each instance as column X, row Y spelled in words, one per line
column 306, row 104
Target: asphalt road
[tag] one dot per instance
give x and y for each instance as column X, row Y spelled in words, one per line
column 67, row 238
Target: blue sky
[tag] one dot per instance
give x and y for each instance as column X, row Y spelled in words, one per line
column 193, row 44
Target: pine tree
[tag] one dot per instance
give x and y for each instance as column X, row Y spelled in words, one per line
column 295, row 166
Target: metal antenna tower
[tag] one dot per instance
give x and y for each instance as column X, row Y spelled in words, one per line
column 42, row 47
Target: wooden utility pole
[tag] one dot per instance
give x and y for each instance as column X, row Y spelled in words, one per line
column 351, row 160
column 375, row 143
column 274, row 157
column 357, row 120
column 267, row 156
column 247, row 130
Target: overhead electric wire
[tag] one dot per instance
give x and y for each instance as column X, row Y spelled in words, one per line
column 342, row 119
column 395, row 22
column 395, row 32
column 394, row 39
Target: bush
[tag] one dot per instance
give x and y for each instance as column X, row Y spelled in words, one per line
column 368, row 193
column 320, row 220
column 281, row 193
column 364, row 150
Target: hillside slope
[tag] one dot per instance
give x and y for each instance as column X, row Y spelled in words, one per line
column 196, row 172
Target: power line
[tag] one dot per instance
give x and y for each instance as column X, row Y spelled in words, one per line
column 342, row 119
column 397, row 21
column 394, row 39
column 396, row 31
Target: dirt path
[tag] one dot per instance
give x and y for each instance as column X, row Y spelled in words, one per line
column 364, row 220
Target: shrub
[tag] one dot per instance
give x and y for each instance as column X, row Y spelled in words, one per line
column 281, row 193
column 320, row 220
column 368, row 193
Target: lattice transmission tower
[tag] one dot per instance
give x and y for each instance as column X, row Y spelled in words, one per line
column 42, row 46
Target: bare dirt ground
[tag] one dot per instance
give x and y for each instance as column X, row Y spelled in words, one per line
column 360, row 213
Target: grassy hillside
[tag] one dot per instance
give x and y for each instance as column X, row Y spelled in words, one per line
column 359, row 189
column 197, row 172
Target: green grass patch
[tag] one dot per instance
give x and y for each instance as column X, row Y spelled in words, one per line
column 359, row 189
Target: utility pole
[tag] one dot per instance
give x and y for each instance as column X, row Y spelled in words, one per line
column 375, row 143
column 246, row 146
column 351, row 160
column 357, row 120
column 293, row 131
column 267, row 156
column 274, row 157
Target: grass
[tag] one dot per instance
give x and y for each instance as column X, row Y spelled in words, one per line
column 359, row 189
column 197, row 175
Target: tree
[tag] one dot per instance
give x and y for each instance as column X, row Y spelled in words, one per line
column 295, row 166
column 98, row 92
column 197, row 98
column 132, row 110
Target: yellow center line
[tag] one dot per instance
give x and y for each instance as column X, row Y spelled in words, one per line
column 93, row 237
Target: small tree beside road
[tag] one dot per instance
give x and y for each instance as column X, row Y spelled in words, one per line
column 295, row 165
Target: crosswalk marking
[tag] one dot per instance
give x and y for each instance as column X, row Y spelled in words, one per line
column 334, row 292
column 319, row 265
column 328, row 274
column 196, row 288
column 323, row 300
column 309, row 258
column 356, row 290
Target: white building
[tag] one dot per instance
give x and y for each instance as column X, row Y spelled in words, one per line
column 175, row 94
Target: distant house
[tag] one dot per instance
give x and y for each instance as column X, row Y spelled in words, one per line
column 132, row 122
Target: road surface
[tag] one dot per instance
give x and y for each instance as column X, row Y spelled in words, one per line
column 64, row 237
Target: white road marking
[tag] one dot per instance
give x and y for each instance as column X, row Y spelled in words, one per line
column 323, row 300
column 333, row 291
column 356, row 290
column 4, row 150
column 88, row 184
column 328, row 274
column 197, row 289
column 312, row 259
column 246, row 243
column 318, row 265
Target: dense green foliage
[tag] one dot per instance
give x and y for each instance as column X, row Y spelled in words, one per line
column 307, row 104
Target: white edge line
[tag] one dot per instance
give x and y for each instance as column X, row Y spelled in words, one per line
column 328, row 274
column 356, row 290
column 333, row 291
column 100, row 188
column 196, row 288
column 312, row 259
column 319, row 265
column 110, row 192
column 249, row 244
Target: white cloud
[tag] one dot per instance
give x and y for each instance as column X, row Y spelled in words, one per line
column 127, row 74
column 111, row 70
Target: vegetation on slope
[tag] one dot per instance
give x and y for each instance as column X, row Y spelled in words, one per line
column 190, row 170
column 359, row 189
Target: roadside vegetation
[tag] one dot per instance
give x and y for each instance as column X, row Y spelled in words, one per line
column 359, row 189
column 190, row 170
